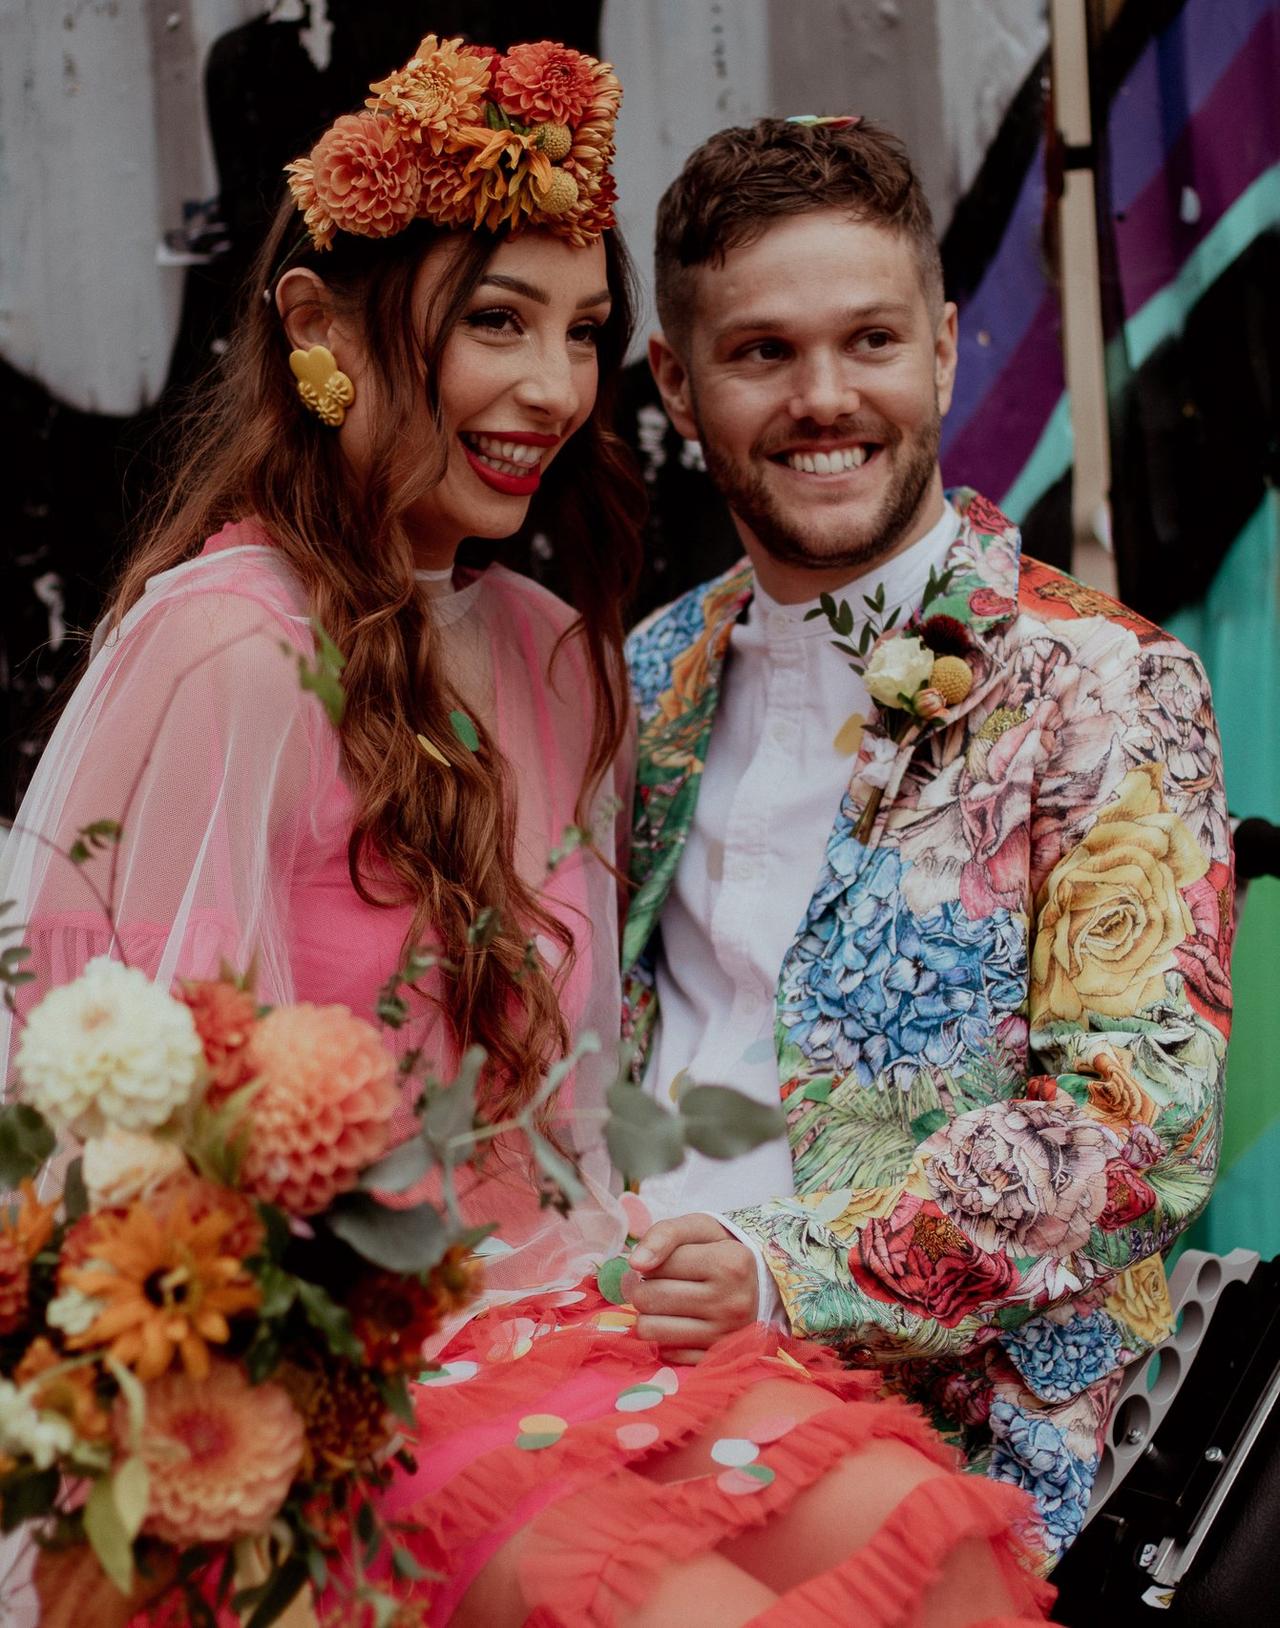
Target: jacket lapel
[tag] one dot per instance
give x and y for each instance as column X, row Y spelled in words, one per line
column 672, row 750
column 982, row 595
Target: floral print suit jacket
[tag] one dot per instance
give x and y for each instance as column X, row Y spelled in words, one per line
column 1001, row 1026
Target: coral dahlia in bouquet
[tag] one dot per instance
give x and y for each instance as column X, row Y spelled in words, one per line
column 208, row 1315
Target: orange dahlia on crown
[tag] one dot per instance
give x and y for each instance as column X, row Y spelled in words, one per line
column 463, row 135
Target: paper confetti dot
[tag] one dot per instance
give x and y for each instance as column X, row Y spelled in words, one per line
column 534, row 1444
column 614, row 1322
column 465, row 730
column 543, row 1424
column 638, row 1435
column 738, row 1483
column 609, row 1279
column 638, row 1399
column 667, row 1381
column 771, row 1429
column 450, row 1373
column 735, row 1451
column 637, row 1213
column 849, row 735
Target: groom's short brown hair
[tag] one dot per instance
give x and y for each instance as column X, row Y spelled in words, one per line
column 741, row 180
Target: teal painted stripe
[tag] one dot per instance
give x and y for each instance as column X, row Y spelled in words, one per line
column 1051, row 459
column 1164, row 315
column 1244, row 1212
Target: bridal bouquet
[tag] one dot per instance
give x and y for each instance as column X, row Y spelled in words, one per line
column 208, row 1321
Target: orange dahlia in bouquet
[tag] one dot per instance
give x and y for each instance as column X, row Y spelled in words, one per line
column 208, row 1321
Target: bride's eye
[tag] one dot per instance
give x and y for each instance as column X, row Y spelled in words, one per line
column 495, row 319
column 586, row 333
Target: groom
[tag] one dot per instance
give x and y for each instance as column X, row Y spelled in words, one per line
column 930, row 844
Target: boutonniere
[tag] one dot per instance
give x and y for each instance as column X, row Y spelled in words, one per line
column 913, row 673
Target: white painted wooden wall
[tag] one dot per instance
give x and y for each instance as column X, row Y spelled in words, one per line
column 102, row 136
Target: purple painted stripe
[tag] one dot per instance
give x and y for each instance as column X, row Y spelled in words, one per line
column 991, row 448
column 995, row 319
column 1231, row 140
column 1187, row 59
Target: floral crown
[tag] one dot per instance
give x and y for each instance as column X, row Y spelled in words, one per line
column 465, row 136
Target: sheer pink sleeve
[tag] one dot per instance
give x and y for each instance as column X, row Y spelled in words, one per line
column 190, row 729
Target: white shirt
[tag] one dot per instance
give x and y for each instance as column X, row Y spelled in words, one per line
column 778, row 765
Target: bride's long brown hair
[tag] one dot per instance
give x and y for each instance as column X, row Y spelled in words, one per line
column 442, row 841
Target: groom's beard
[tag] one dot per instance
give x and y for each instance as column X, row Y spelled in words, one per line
column 798, row 538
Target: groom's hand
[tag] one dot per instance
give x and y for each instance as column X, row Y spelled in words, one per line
column 692, row 1281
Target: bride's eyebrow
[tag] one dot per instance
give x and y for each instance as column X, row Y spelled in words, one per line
column 517, row 285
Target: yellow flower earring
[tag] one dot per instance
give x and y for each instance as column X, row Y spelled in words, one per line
column 325, row 389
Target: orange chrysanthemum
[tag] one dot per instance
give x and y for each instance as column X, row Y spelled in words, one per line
column 72, row 1393
column 201, row 1197
column 15, row 1285
column 365, row 175
column 392, row 1315
column 448, row 193
column 166, row 1288
column 224, row 1016
column 31, row 1224
column 24, row 1231
column 222, row 1455
column 346, row 1419
column 325, row 1095
column 544, row 83
column 302, row 187
column 440, row 88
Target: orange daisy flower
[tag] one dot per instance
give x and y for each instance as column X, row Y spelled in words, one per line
column 166, row 1289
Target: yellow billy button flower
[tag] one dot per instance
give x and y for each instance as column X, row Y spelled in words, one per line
column 952, row 677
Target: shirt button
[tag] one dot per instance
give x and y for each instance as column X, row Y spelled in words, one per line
column 781, row 734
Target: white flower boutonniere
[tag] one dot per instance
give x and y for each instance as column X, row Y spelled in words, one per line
column 913, row 673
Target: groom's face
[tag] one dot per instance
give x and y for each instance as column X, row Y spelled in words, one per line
column 815, row 374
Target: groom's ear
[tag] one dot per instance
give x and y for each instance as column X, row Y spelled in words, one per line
column 672, row 378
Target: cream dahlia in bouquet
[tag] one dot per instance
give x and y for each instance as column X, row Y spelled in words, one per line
column 209, row 1318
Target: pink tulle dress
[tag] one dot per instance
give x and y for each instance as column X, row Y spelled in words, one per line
column 547, row 1412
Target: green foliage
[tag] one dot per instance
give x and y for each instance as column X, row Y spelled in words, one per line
column 564, row 1189
column 643, row 1137
column 26, row 1494
column 722, row 1123
column 26, row 1141
column 75, row 1196
column 937, row 587
column 270, row 1600
column 410, row 1240
column 323, row 676
column 93, row 839
column 106, row 1528
column 330, row 1319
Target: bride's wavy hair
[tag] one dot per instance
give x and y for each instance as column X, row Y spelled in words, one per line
column 441, row 840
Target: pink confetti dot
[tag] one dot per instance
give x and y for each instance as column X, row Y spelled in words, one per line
column 637, row 1436
column 740, row 1483
column 637, row 1214
column 771, row 1429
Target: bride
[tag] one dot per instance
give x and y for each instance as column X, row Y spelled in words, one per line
column 428, row 355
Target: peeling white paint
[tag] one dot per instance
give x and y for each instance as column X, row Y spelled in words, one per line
column 102, row 139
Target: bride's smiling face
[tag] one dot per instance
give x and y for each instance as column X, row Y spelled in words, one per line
column 517, row 377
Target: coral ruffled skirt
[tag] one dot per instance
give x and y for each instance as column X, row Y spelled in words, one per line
column 550, row 1413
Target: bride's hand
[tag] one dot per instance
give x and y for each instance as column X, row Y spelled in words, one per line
column 74, row 1589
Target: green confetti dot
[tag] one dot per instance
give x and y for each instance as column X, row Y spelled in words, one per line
column 535, row 1443
column 465, row 730
column 609, row 1280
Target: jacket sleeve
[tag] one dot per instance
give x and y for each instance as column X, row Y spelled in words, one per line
column 1047, row 1187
